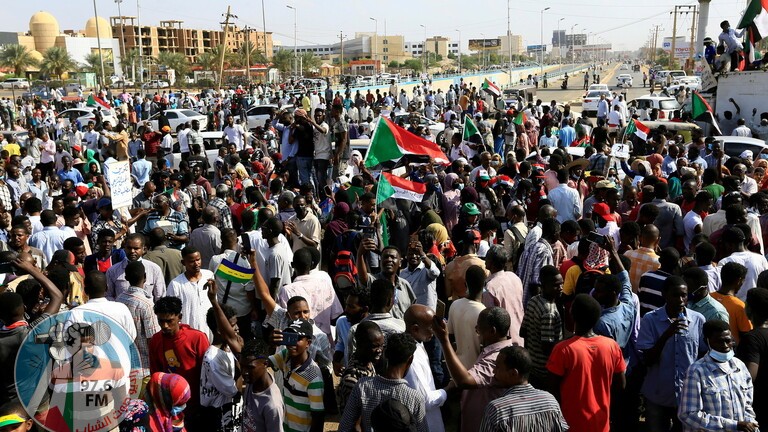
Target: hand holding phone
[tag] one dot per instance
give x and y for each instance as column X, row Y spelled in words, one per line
column 290, row 338
column 596, row 238
column 440, row 310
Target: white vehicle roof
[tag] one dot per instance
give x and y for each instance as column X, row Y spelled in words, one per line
column 725, row 139
column 597, row 93
column 625, row 76
column 598, row 87
column 658, row 98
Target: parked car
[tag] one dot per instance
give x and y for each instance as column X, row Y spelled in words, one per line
column 212, row 140
column 665, row 104
column 733, row 146
column 40, row 92
column 691, row 82
column 590, row 100
column 21, row 136
column 121, row 84
column 156, row 84
column 177, row 117
column 437, row 129
column 257, row 115
column 85, row 115
column 72, row 88
column 15, row 83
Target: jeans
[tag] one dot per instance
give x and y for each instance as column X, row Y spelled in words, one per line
column 659, row 418
column 322, row 173
column 435, row 354
column 293, row 174
column 304, row 165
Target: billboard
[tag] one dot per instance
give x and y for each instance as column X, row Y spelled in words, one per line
column 536, row 48
column 666, row 44
column 484, row 44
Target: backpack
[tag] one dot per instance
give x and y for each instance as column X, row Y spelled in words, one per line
column 343, row 268
column 587, row 279
column 518, row 251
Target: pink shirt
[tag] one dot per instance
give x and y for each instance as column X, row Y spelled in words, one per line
column 474, row 401
column 505, row 290
column 48, row 151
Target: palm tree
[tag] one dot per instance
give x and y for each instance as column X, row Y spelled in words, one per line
column 310, row 62
column 57, row 61
column 241, row 58
column 283, row 60
column 207, row 60
column 17, row 57
column 93, row 64
column 173, row 60
column 130, row 57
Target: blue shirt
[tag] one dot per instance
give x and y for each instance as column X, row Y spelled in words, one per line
column 618, row 322
column 342, row 335
column 567, row 135
column 142, row 168
column 72, row 174
column 289, row 149
column 664, row 379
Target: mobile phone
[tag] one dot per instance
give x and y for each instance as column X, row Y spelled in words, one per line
column 245, row 241
column 7, row 267
column 599, row 239
column 369, row 232
column 290, row 339
column 440, row 309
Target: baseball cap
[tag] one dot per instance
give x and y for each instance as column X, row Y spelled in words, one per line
column 10, row 420
column 605, row 184
column 104, row 202
column 166, row 129
column 470, row 209
column 301, row 327
column 746, row 154
column 604, row 211
column 300, row 112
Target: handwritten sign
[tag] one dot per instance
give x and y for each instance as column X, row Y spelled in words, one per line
column 620, row 151
column 118, row 175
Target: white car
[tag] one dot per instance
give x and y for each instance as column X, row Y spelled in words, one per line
column 733, row 146
column 644, row 104
column 156, row 84
column 624, row 80
column 690, row 82
column 598, row 87
column 624, row 67
column 178, row 117
column 15, row 83
column 437, row 129
column 257, row 115
column 85, row 115
column 212, row 140
column 590, row 100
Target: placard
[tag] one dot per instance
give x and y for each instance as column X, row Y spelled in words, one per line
column 620, row 151
column 118, row 175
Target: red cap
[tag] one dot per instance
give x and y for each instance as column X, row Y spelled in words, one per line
column 604, row 211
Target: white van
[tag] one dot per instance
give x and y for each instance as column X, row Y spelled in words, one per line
column 15, row 83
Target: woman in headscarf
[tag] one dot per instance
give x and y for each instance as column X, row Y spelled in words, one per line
column 336, row 227
column 452, row 186
column 90, row 158
column 167, row 396
column 354, row 163
column 443, row 246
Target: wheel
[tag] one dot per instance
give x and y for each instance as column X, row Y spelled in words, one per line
column 440, row 139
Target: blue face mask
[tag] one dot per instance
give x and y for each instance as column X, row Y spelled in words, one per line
column 177, row 409
column 721, row 357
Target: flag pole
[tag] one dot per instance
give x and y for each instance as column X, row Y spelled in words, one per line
column 373, row 136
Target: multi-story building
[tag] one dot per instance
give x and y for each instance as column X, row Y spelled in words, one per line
column 511, row 39
column 171, row 35
column 384, row 49
column 435, row 44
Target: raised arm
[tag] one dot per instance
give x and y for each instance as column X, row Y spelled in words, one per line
column 261, row 287
column 225, row 329
column 50, row 289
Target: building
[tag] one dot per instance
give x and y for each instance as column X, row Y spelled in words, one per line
column 383, row 49
column 44, row 33
column 512, row 39
column 171, row 35
column 558, row 38
column 575, row 39
column 435, row 44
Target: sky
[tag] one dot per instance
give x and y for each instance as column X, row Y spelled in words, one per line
column 626, row 25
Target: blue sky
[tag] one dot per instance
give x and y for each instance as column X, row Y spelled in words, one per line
column 625, row 24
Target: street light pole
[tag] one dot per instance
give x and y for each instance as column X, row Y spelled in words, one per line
column 482, row 50
column 424, row 50
column 541, row 41
column 459, row 49
column 375, row 46
column 295, row 38
column 98, row 43
column 141, row 43
column 573, row 44
column 559, row 43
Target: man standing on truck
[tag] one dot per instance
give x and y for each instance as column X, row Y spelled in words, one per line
column 730, row 38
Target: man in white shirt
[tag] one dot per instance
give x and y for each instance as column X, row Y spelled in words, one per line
column 183, row 137
column 733, row 244
column 565, row 199
column 95, row 287
column 742, row 130
column 418, row 323
column 190, row 287
column 615, row 119
column 91, row 138
column 167, row 141
column 234, row 132
column 602, row 108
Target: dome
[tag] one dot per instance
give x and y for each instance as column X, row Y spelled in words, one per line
column 44, row 29
column 105, row 30
column 36, row 55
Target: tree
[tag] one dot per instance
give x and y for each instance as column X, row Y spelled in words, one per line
column 241, row 59
column 173, row 60
column 452, row 56
column 208, row 61
column 56, row 62
column 415, row 64
column 283, row 60
column 309, row 61
column 17, row 57
column 93, row 64
column 131, row 57
column 393, row 64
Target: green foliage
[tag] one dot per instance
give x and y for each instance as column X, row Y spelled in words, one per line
column 452, row 56
column 415, row 64
column 174, row 60
column 310, row 61
column 56, row 62
column 393, row 64
column 283, row 60
column 93, row 64
column 18, row 58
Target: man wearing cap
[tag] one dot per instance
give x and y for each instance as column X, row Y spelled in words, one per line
column 598, row 196
column 748, row 185
column 166, row 143
column 606, row 222
column 69, row 173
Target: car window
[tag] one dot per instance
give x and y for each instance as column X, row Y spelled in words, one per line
column 643, row 104
column 734, row 149
column 190, row 113
column 259, row 111
column 669, row 104
column 154, row 116
column 172, row 115
column 594, row 94
column 212, row 143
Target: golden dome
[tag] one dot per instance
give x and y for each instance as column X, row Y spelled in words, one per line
column 36, row 55
column 44, row 29
column 105, row 30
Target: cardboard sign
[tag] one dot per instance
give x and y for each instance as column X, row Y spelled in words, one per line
column 620, row 151
column 118, row 175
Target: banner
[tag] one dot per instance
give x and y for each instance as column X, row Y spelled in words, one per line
column 118, row 175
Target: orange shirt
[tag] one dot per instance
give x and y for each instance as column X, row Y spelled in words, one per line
column 737, row 315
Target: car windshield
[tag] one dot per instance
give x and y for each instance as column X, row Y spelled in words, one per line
column 596, row 94
column 189, row 113
column 670, row 104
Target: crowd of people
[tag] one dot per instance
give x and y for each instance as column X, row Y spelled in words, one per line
column 526, row 290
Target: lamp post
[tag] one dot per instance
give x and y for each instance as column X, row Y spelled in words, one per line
column 559, row 42
column 98, row 43
column 141, row 43
column 541, row 41
column 424, row 50
column 295, row 38
column 375, row 45
column 457, row 30
column 573, row 40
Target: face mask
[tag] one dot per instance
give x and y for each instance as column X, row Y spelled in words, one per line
column 177, row 409
column 721, row 357
column 458, row 186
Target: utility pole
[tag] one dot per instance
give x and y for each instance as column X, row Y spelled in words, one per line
column 341, row 40
column 98, row 43
column 693, row 38
column 655, row 41
column 680, row 10
column 141, row 43
column 247, row 31
column 509, row 43
column 224, row 44
column 122, row 33
column 264, row 24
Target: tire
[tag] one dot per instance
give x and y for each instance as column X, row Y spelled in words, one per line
column 440, row 139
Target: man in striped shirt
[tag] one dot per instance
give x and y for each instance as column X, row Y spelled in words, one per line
column 651, row 283
column 522, row 407
column 302, row 380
